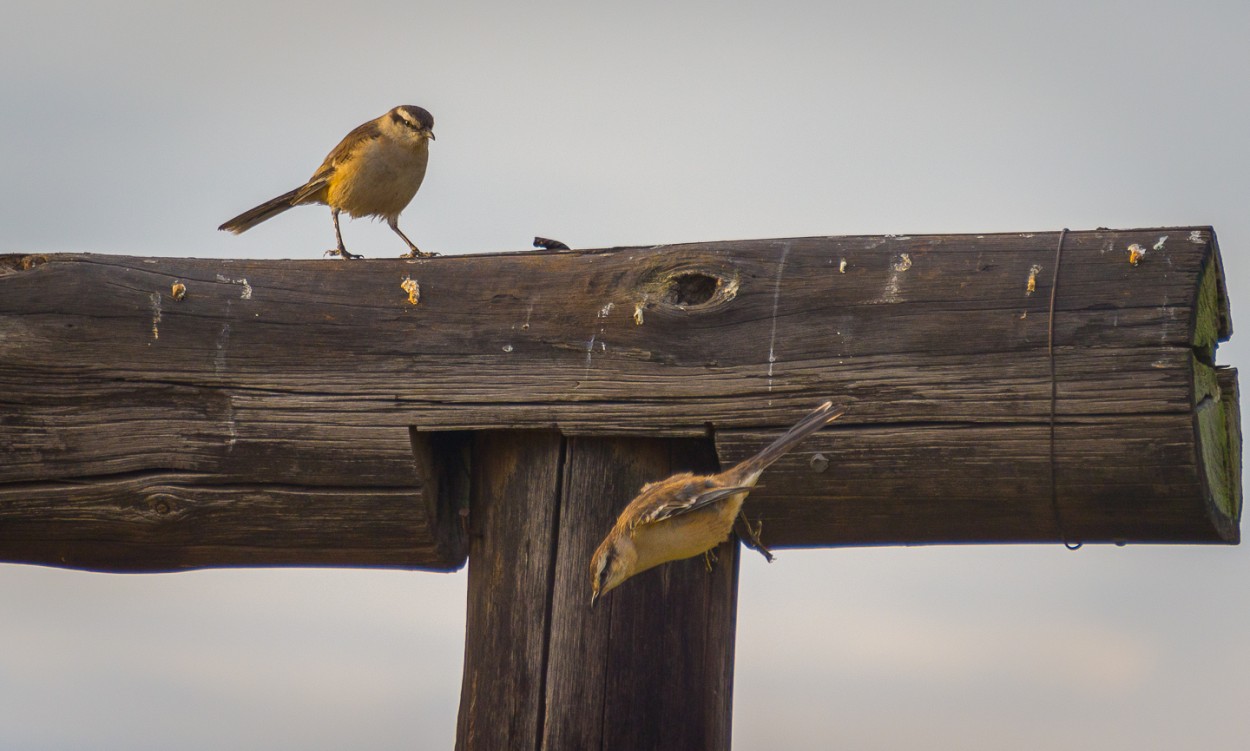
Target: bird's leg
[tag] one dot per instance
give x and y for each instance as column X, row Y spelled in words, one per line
column 413, row 250
column 709, row 558
column 753, row 533
column 338, row 237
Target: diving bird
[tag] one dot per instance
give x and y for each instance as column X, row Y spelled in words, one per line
column 688, row 514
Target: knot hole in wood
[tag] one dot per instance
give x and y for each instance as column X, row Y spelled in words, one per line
column 691, row 288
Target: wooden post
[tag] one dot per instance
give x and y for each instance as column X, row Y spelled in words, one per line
column 650, row 667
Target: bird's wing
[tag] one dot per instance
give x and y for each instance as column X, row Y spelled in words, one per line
column 314, row 186
column 680, row 495
column 359, row 136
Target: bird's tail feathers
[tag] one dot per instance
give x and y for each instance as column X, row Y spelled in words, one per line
column 267, row 210
column 815, row 420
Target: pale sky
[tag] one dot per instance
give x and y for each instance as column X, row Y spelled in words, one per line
column 137, row 128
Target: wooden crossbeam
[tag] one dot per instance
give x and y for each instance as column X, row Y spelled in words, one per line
column 169, row 413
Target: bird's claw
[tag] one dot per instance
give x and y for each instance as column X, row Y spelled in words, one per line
column 709, row 559
column 753, row 534
column 342, row 253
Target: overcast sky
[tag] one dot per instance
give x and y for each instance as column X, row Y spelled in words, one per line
column 137, row 128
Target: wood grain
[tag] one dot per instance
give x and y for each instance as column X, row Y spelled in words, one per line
column 651, row 667
column 309, row 374
column 515, row 498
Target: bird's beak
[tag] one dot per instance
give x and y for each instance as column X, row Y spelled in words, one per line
column 430, row 133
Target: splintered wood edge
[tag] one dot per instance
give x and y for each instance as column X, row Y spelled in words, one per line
column 1217, row 422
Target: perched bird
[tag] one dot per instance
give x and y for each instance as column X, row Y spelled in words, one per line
column 374, row 171
column 688, row 514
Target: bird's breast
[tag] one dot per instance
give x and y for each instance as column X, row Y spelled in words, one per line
column 686, row 535
column 380, row 179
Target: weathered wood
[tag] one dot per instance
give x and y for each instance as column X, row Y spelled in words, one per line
column 951, row 483
column 651, row 667
column 171, row 520
column 308, row 374
column 514, row 510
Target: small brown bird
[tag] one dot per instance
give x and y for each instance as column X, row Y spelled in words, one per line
column 688, row 514
column 374, row 171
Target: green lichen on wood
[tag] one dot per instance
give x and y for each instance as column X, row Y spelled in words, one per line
column 1216, row 418
column 1208, row 313
column 1219, row 440
column 1232, row 407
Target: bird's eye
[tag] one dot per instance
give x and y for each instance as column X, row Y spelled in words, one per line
column 601, row 573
